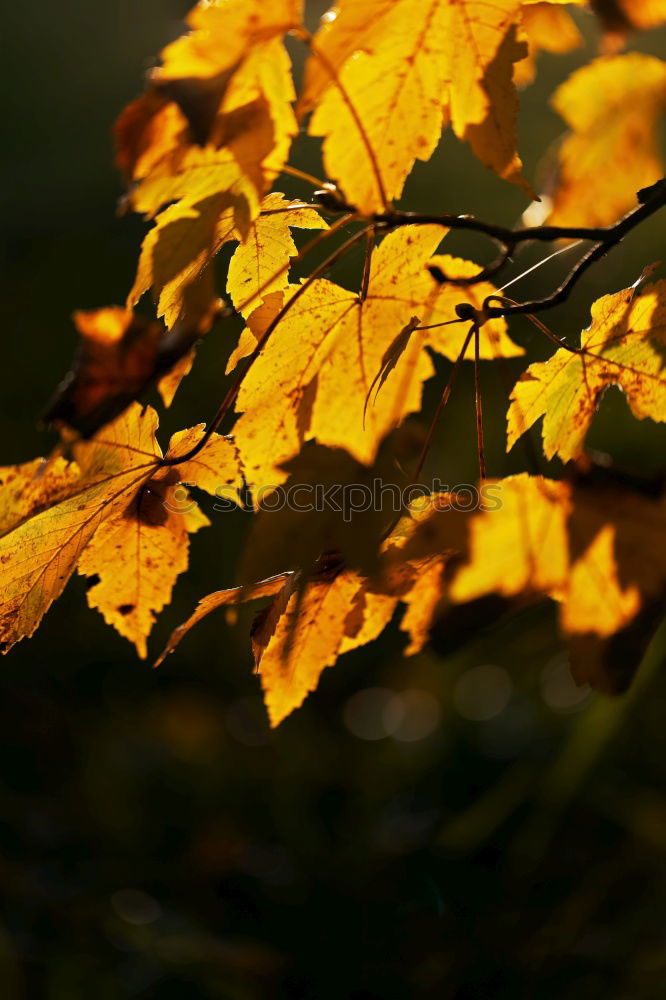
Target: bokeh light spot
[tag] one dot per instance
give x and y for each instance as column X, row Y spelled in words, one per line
column 420, row 716
column 482, row 693
column 373, row 713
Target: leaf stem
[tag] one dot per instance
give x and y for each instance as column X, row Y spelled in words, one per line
column 370, row 242
column 302, row 175
column 478, row 404
column 446, row 395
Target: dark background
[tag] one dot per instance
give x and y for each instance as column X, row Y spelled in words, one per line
column 472, row 826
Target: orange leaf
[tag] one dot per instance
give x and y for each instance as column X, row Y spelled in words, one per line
column 386, row 75
column 186, row 237
column 330, row 346
column 334, row 614
column 549, row 28
column 623, row 346
column 119, row 355
column 117, row 514
column 613, row 107
column 217, row 110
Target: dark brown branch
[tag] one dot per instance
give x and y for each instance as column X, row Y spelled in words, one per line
column 650, row 200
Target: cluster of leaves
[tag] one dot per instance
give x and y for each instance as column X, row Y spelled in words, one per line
column 324, row 377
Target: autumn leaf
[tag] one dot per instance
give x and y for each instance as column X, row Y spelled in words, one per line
column 613, row 107
column 186, row 237
column 330, row 346
column 625, row 345
column 223, row 34
column 223, row 598
column 260, row 265
column 596, row 550
column 549, row 28
column 119, row 355
column 335, row 611
column 117, row 515
column 216, row 119
column 30, row 488
column 335, row 614
column 385, row 76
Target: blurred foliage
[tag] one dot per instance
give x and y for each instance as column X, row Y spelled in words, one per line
column 462, row 825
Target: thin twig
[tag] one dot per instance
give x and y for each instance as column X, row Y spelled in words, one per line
column 478, row 404
column 540, row 325
column 446, row 394
column 370, row 242
column 302, row 175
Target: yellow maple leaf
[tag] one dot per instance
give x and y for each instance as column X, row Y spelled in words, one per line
column 385, row 76
column 333, row 615
column 613, row 106
column 596, row 547
column 335, row 611
column 623, row 346
column 259, row 266
column 115, row 513
column 598, row 550
column 223, row 33
column 187, row 236
column 549, row 28
column 521, row 546
column 26, row 489
column 217, row 117
column 330, row 346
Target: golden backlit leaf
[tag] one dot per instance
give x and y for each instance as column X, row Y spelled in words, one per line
column 223, row 33
column 259, row 266
column 625, row 345
column 613, row 107
column 549, row 28
column 385, row 77
column 599, row 552
column 116, row 514
column 217, row 116
column 334, row 614
column 27, row 489
column 330, row 346
column 186, row 237
column 121, row 353
column 595, row 544
column 178, row 248
column 521, row 546
column 223, row 598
